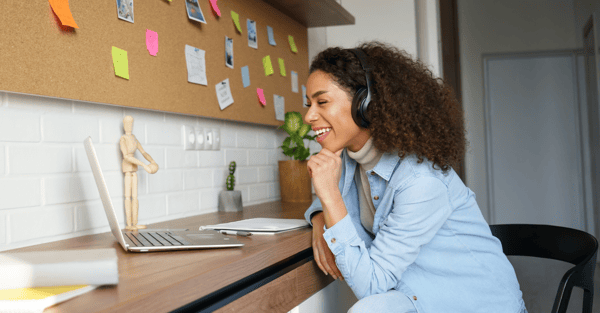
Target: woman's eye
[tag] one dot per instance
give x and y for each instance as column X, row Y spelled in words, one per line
column 322, row 102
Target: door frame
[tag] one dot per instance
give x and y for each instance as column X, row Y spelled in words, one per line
column 585, row 188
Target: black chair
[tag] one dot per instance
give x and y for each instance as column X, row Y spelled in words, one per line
column 557, row 243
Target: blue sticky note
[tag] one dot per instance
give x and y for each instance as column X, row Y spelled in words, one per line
column 271, row 37
column 245, row 76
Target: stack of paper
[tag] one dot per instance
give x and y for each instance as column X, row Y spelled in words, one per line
column 33, row 281
column 261, row 226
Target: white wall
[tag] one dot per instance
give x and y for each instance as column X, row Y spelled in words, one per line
column 47, row 192
column 489, row 26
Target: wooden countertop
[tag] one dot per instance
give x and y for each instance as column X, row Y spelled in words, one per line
column 165, row 281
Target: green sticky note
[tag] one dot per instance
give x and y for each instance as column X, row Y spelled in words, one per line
column 292, row 44
column 267, row 65
column 282, row 67
column 236, row 20
column 120, row 62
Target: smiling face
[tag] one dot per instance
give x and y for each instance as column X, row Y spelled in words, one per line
column 330, row 114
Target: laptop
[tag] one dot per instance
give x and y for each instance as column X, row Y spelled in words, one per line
column 149, row 241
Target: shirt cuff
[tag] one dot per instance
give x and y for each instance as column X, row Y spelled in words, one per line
column 339, row 235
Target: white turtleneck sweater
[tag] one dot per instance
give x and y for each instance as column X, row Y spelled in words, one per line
column 367, row 157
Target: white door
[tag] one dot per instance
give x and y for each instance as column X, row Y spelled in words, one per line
column 533, row 140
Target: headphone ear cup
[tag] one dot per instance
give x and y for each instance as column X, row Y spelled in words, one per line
column 358, row 107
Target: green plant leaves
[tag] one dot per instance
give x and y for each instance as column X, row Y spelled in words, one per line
column 293, row 146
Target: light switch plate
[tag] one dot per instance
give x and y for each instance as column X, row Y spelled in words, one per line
column 208, row 138
column 216, row 139
column 189, row 137
column 199, row 138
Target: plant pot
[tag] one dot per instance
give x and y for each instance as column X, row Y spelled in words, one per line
column 294, row 181
column 230, row 201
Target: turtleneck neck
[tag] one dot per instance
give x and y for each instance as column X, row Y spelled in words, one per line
column 367, row 156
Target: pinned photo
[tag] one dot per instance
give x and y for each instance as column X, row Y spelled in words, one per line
column 252, row 42
column 193, row 11
column 125, row 10
column 229, row 52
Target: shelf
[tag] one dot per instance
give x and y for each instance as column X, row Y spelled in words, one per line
column 314, row 13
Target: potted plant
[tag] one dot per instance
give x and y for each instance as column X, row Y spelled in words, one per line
column 294, row 180
column 230, row 200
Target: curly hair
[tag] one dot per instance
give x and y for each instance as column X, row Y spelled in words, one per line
column 411, row 111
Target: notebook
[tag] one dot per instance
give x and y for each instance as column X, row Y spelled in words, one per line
column 261, row 226
column 148, row 241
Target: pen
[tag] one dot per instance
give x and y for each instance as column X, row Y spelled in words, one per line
column 234, row 232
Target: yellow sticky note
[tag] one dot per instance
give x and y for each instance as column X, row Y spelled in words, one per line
column 267, row 65
column 120, row 62
column 292, row 44
column 282, row 67
column 236, row 20
column 62, row 10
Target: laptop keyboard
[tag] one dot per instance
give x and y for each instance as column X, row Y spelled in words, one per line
column 156, row 239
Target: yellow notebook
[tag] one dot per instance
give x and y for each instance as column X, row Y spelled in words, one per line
column 37, row 299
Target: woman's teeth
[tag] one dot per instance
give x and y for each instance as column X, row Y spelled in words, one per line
column 322, row 131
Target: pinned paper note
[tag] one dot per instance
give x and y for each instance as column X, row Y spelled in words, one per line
column 294, row 82
column 245, row 76
column 267, row 65
column 292, row 44
column 194, row 12
column 125, row 10
column 62, row 10
column 152, row 42
column 279, row 104
column 236, row 21
column 120, row 62
column 271, row 37
column 282, row 68
column 252, row 39
column 304, row 100
column 215, row 7
column 224, row 94
column 261, row 96
column 196, row 65
column 228, row 52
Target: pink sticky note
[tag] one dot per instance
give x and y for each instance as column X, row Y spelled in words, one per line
column 62, row 10
column 261, row 96
column 152, row 42
column 215, row 7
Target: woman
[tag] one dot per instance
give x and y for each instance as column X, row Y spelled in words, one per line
column 392, row 217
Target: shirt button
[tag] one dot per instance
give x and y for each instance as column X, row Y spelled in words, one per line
column 415, row 298
column 332, row 240
column 376, row 198
column 373, row 173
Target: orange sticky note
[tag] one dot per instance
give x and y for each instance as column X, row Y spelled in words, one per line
column 261, row 96
column 62, row 10
column 215, row 7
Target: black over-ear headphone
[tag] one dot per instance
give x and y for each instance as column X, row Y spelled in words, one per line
column 362, row 97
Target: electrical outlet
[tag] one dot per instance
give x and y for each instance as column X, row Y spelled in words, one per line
column 216, row 139
column 199, row 138
column 189, row 137
column 208, row 138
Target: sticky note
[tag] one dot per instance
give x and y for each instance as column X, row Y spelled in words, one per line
column 279, row 105
column 245, row 76
column 271, row 37
column 261, row 96
column 62, row 10
column 267, row 65
column 215, row 7
column 120, row 62
column 152, row 42
column 294, row 82
column 304, row 100
column 236, row 21
column 282, row 67
column 292, row 44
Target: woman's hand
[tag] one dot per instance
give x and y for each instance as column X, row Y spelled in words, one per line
column 323, row 255
column 325, row 169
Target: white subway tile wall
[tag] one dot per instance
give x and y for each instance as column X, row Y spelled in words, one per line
column 47, row 191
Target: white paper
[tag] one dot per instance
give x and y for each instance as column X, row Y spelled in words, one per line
column 224, row 94
column 261, row 225
column 228, row 52
column 279, row 104
column 252, row 36
column 196, row 65
column 304, row 100
column 294, row 81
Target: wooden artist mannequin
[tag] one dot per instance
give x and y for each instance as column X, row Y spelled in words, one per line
column 129, row 144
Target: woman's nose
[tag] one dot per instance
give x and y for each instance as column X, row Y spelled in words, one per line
column 311, row 115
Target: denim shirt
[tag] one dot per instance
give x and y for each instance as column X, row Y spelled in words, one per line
column 430, row 241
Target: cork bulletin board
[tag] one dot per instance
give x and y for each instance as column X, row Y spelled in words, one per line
column 40, row 56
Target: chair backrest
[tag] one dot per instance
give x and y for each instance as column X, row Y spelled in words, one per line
column 557, row 243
